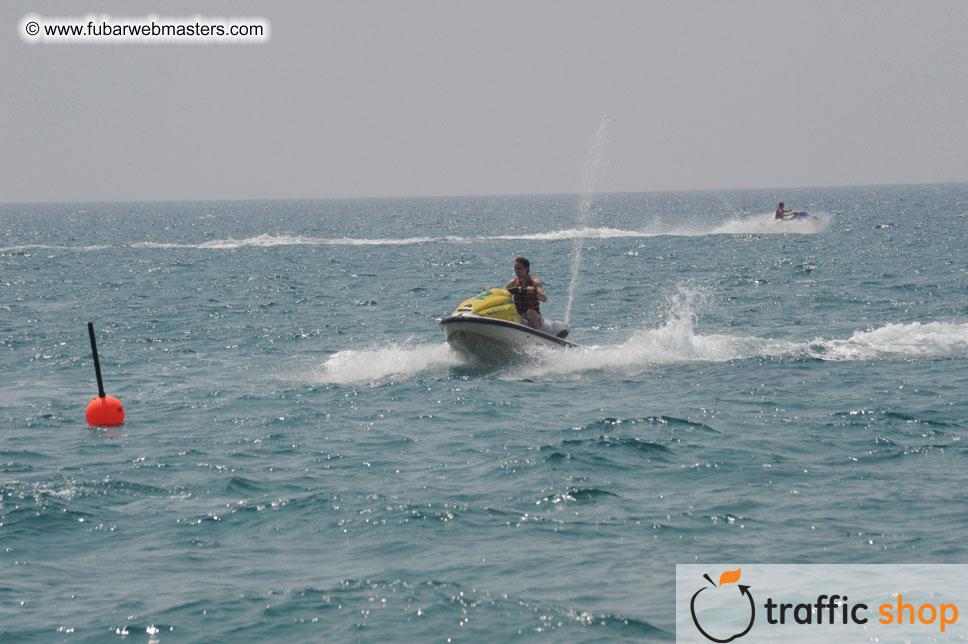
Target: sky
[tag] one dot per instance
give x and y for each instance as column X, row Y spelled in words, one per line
column 367, row 98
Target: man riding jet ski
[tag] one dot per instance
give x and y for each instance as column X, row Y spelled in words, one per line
column 499, row 323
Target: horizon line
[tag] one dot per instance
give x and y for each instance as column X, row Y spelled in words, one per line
column 471, row 196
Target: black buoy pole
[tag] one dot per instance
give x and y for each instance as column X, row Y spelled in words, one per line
column 97, row 363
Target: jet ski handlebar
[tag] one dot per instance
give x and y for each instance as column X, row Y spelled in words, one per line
column 512, row 290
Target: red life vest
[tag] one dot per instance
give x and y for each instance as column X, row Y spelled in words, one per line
column 526, row 300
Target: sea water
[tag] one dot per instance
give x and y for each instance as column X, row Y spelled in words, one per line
column 305, row 459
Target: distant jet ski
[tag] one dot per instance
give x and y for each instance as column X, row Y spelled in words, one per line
column 487, row 328
column 802, row 215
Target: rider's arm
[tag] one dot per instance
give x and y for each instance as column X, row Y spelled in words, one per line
column 539, row 291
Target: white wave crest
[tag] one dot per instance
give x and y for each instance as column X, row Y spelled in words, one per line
column 758, row 225
column 573, row 233
column 356, row 366
column 905, row 341
column 767, row 224
column 674, row 342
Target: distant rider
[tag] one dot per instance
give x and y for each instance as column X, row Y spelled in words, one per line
column 781, row 213
column 531, row 292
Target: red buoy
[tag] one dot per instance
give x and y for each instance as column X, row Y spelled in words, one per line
column 103, row 410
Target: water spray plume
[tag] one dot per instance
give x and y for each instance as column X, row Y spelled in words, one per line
column 594, row 162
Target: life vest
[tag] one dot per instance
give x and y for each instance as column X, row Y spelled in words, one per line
column 526, row 300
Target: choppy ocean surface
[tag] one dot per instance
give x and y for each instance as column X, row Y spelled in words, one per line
column 305, row 459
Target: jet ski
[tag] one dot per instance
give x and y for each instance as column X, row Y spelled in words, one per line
column 802, row 215
column 487, row 328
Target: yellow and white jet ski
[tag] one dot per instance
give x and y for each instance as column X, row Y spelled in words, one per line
column 487, row 328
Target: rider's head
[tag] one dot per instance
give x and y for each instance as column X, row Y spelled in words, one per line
column 523, row 263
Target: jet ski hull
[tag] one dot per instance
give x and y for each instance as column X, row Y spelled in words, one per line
column 489, row 339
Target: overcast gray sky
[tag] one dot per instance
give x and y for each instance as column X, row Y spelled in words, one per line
column 399, row 98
